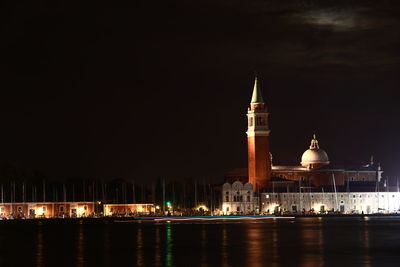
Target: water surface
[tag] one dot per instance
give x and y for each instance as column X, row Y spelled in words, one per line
column 289, row 242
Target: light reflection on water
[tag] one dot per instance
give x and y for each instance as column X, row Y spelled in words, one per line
column 300, row 242
column 157, row 248
column 204, row 246
column 139, row 247
column 366, row 241
column 255, row 250
column 39, row 248
column 80, row 256
column 169, row 259
column 312, row 239
column 224, row 246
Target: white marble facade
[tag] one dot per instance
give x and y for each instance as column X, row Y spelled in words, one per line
column 238, row 198
column 344, row 202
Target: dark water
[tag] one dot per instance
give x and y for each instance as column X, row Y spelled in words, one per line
column 299, row 242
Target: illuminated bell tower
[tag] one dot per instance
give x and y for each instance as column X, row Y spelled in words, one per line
column 259, row 159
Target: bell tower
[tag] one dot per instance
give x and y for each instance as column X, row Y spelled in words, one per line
column 259, row 159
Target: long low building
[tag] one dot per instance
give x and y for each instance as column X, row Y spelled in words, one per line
column 344, row 202
column 128, row 209
column 71, row 209
column 237, row 198
column 46, row 209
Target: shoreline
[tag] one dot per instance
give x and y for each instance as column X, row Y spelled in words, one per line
column 107, row 220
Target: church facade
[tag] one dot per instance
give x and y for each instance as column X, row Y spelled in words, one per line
column 289, row 186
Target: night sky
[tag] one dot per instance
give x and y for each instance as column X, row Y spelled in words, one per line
column 162, row 88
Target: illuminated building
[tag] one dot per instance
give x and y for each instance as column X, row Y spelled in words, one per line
column 238, row 198
column 323, row 202
column 46, row 209
column 128, row 209
column 70, row 209
column 315, row 175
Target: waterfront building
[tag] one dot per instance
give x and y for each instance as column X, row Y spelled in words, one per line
column 46, row 209
column 315, row 175
column 238, row 198
column 32, row 210
column 128, row 209
column 322, row 202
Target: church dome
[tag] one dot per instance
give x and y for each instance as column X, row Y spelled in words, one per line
column 314, row 156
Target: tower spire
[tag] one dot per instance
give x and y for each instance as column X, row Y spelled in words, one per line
column 257, row 96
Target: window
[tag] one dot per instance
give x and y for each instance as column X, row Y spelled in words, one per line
column 19, row 209
column 44, row 209
column 234, row 198
column 354, row 196
column 266, row 196
column 227, row 193
column 237, row 208
column 85, row 207
column 61, row 208
column 248, row 198
column 227, row 198
column 2, row 209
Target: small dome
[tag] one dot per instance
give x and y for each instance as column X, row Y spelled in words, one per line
column 314, row 156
